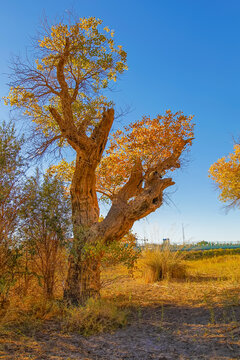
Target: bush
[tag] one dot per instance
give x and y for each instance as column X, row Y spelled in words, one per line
column 124, row 252
column 204, row 254
column 96, row 316
column 12, row 168
column 162, row 263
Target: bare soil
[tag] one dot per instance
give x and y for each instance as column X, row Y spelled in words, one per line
column 165, row 333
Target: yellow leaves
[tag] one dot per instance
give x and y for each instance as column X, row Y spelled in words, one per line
column 63, row 170
column 106, row 28
column 19, row 97
column 148, row 140
column 39, row 66
column 226, row 173
column 92, row 60
column 56, row 39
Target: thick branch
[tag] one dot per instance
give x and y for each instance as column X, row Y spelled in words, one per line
column 173, row 160
column 123, row 214
column 76, row 137
column 101, row 132
column 134, row 184
column 60, row 69
column 150, row 199
column 134, row 202
column 69, row 131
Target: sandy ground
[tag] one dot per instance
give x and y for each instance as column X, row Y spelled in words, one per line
column 161, row 333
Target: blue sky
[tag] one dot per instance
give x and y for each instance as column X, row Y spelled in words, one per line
column 182, row 55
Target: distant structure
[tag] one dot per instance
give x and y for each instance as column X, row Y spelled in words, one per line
column 183, row 234
column 166, row 242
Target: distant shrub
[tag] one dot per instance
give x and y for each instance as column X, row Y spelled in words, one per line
column 161, row 263
column 195, row 255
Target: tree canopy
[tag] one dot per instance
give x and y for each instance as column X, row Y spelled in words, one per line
column 226, row 173
column 76, row 63
column 154, row 143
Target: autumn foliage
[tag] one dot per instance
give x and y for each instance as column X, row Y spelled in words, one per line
column 62, row 93
column 226, row 173
column 147, row 141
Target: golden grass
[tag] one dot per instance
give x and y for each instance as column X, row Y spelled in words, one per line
column 161, row 263
column 206, row 282
column 216, row 280
column 220, row 268
column 97, row 316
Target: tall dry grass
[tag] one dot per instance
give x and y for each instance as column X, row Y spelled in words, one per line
column 97, row 316
column 161, row 263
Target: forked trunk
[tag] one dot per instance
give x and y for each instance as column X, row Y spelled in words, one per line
column 83, row 279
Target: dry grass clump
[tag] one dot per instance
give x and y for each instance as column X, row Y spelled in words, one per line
column 162, row 263
column 96, row 316
column 29, row 315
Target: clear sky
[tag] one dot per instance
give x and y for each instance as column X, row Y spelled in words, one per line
column 182, row 55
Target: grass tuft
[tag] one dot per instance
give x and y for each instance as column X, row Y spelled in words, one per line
column 97, row 316
column 161, row 263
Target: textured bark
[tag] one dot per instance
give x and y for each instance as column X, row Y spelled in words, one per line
column 140, row 196
column 83, row 279
column 123, row 213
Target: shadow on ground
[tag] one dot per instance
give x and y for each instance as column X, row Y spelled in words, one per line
column 166, row 332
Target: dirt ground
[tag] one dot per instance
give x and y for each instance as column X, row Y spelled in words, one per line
column 169, row 332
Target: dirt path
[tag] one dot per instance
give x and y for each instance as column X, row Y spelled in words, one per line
column 153, row 333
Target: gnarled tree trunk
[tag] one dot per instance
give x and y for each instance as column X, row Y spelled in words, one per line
column 141, row 195
column 83, row 279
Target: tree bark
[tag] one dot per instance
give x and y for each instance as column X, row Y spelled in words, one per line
column 83, row 279
column 141, row 195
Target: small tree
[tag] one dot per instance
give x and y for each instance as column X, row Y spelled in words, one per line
column 226, row 173
column 11, row 171
column 62, row 94
column 45, row 226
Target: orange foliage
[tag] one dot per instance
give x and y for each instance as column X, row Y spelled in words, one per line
column 150, row 141
column 226, row 173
